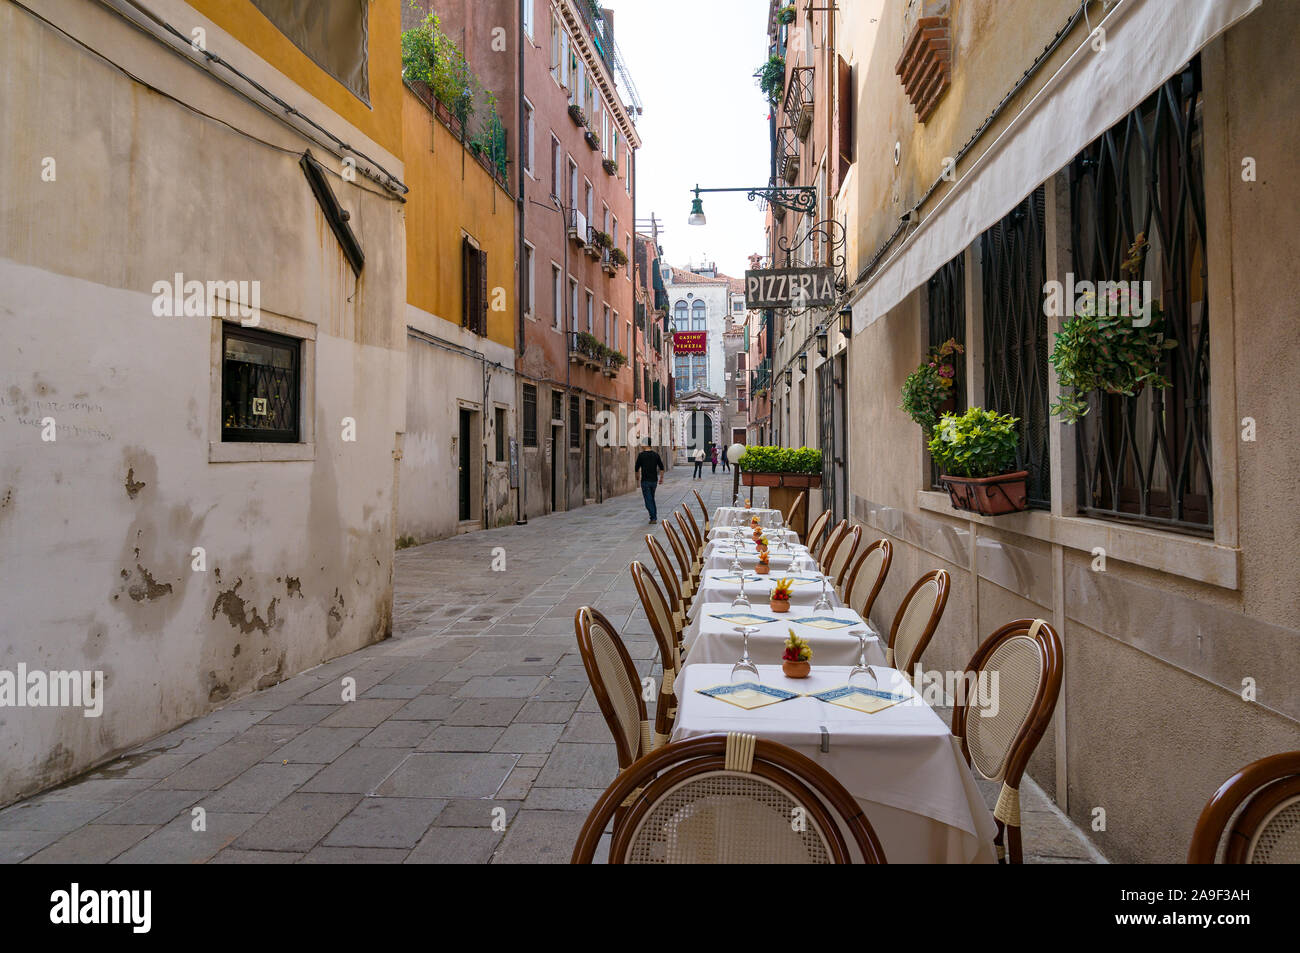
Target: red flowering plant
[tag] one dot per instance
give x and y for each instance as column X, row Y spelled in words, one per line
column 929, row 386
column 796, row 649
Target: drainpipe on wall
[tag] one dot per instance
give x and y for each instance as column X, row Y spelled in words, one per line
column 521, row 491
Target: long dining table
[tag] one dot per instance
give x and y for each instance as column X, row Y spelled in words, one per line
column 835, row 636
column 902, row 763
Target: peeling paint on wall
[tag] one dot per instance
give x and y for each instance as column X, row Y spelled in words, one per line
column 237, row 612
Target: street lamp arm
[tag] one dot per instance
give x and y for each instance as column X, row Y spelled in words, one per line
column 801, row 198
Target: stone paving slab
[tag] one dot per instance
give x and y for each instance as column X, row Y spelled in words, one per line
column 472, row 737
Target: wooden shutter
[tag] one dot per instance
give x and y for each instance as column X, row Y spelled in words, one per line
column 467, row 282
column 844, row 129
column 482, row 293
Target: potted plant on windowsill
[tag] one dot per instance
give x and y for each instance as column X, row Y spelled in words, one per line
column 610, row 167
column 928, row 390
column 618, row 257
column 1115, row 345
column 975, row 452
column 593, row 141
column 577, row 115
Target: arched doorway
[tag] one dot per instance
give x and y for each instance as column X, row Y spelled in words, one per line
column 701, row 433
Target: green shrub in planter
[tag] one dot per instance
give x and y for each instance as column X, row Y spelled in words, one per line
column 781, row 460
column 978, row 443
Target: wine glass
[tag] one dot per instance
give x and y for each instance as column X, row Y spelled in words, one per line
column 735, row 558
column 823, row 601
column 745, row 668
column 862, row 670
column 741, row 601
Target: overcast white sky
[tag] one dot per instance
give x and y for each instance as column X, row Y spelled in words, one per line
column 705, row 120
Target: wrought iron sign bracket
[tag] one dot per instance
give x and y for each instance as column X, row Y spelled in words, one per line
column 802, row 198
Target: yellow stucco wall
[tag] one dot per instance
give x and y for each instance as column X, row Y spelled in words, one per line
column 453, row 196
column 381, row 121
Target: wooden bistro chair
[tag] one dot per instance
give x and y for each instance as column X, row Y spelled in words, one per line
column 867, row 577
column 1266, row 830
column 670, row 649
column 794, row 507
column 838, row 568
column 728, row 799
column 615, row 683
column 672, row 584
column 704, row 510
column 1027, row 656
column 691, row 536
column 916, row 620
column 825, row 554
column 689, row 579
column 815, row 531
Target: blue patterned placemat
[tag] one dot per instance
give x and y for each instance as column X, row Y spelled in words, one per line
column 748, row 694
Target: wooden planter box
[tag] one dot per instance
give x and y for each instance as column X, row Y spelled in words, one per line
column 988, row 496
column 801, row 480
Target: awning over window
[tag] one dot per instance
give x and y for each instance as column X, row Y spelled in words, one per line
column 1146, row 41
column 333, row 34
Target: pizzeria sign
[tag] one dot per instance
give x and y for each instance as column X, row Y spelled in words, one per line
column 789, row 288
column 690, row 342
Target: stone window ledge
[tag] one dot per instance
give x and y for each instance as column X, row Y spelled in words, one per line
column 260, row 452
column 1200, row 559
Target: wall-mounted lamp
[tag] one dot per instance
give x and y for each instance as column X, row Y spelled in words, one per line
column 823, row 342
column 846, row 321
column 803, row 363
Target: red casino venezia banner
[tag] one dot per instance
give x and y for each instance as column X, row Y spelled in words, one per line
column 690, row 342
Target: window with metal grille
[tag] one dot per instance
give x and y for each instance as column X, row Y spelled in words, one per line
column 1015, row 335
column 946, row 294
column 530, row 415
column 500, row 424
column 259, row 386
column 1146, row 458
column 575, row 421
column 474, row 297
column 557, row 405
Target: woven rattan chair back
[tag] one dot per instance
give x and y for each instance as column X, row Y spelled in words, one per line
column 672, row 584
column 794, row 507
column 1265, row 797
column 728, row 799
column 838, row 569
column 867, row 577
column 693, row 548
column 696, row 536
column 1010, row 691
column 704, row 511
column 615, row 683
column 813, row 540
column 917, row 618
column 683, row 561
column 657, row 611
column 833, row 540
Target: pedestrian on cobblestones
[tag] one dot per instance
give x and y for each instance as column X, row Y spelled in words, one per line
column 698, row 457
column 713, row 455
column 650, row 467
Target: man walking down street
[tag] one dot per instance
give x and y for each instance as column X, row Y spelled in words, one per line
column 650, row 466
column 698, row 457
column 726, row 464
column 713, row 455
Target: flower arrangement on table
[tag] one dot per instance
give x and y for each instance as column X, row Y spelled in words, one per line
column 753, row 521
column 763, row 567
column 761, row 543
column 748, row 501
column 796, row 658
column 779, row 601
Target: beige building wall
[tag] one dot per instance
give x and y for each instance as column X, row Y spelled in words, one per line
column 1158, row 646
column 99, row 528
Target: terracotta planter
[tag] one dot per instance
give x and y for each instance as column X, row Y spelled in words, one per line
column 762, row 569
column 795, row 669
column 779, row 605
column 988, row 496
column 798, row 480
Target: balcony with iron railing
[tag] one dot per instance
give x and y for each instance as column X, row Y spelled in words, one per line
column 579, row 230
column 787, row 153
column 798, row 105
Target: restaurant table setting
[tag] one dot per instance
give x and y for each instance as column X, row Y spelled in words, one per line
column 740, row 516
column 720, row 553
column 869, row 728
column 835, row 635
column 807, row 587
column 774, row 534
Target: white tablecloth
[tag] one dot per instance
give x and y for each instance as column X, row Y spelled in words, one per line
column 726, row 532
column 720, row 585
column 718, row 555
column 709, row 639
column 902, row 764
column 733, row 515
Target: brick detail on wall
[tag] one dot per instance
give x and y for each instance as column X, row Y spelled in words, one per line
column 925, row 68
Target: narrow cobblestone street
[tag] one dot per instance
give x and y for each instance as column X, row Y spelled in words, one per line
column 479, row 702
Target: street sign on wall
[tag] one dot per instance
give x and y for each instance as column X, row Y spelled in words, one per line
column 789, row 288
column 690, row 342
